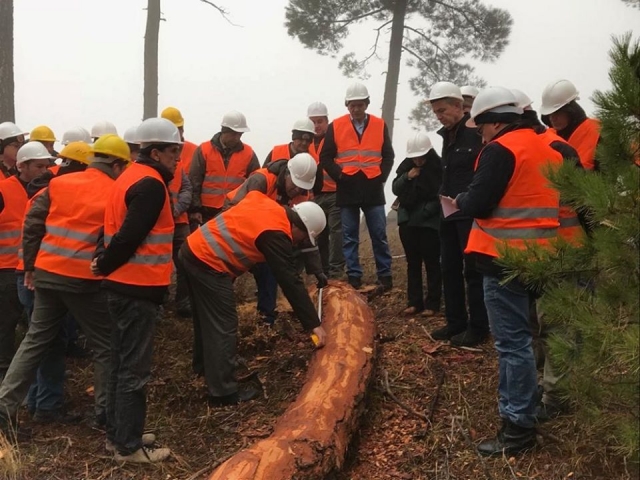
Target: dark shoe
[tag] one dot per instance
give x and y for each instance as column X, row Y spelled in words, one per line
column 468, row 338
column 355, row 282
column 242, row 395
column 183, row 308
column 511, row 439
column 386, row 282
column 411, row 311
column 548, row 411
column 76, row 351
column 56, row 416
column 97, row 421
column 13, row 432
column 443, row 334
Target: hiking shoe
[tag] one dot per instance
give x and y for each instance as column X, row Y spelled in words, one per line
column 443, row 334
column 244, row 394
column 56, row 416
column 386, row 283
column 511, row 439
column 144, row 455
column 148, row 439
column 355, row 282
column 468, row 338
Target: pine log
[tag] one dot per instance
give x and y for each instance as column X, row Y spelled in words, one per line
column 310, row 439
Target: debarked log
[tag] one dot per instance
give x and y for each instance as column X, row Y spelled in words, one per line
column 311, row 438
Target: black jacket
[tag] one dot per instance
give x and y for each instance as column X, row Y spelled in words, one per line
column 357, row 190
column 460, row 148
column 144, row 200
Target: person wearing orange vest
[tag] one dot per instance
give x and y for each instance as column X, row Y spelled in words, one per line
column 512, row 204
column 32, row 161
column 324, row 194
column 136, row 260
column 568, row 119
column 226, row 247
column 11, row 139
column 301, row 137
column 61, row 231
column 219, row 166
column 357, row 153
column 181, row 193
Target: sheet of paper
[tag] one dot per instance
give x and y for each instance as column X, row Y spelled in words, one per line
column 447, row 206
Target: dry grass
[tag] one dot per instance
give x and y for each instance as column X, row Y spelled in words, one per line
column 10, row 459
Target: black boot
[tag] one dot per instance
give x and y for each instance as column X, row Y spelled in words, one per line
column 511, row 439
column 386, row 283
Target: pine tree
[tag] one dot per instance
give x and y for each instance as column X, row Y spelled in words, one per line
column 591, row 292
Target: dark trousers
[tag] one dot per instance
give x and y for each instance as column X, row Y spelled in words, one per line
column 179, row 236
column 133, row 322
column 422, row 246
column 267, row 291
column 213, row 304
column 330, row 240
column 459, row 269
column 11, row 314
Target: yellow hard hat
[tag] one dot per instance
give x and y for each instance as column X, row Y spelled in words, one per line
column 112, row 145
column 42, row 134
column 78, row 151
column 173, row 115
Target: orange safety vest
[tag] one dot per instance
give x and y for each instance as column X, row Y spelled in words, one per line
column 76, row 216
column 328, row 183
column 227, row 242
column 186, row 155
column 272, row 185
column 218, row 180
column 585, row 140
column 11, row 219
column 281, row 152
column 151, row 263
column 20, row 266
column 54, row 169
column 570, row 228
column 355, row 155
column 528, row 210
column 174, row 190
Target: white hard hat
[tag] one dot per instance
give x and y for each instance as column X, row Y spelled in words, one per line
column 33, row 151
column 469, row 91
column 356, row 91
column 236, row 121
column 303, row 125
column 317, row 109
column 442, row 90
column 303, row 168
column 158, row 130
column 131, row 135
column 495, row 100
column 418, row 145
column 76, row 134
column 313, row 218
column 10, row 130
column 556, row 95
column 522, row 99
column 102, row 128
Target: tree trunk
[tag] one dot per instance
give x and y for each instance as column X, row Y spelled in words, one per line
column 311, row 438
column 7, row 107
column 151, row 59
column 393, row 67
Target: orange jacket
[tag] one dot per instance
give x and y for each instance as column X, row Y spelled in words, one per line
column 328, row 183
column 227, row 242
column 528, row 210
column 151, row 264
column 281, row 152
column 186, row 155
column 174, row 190
column 11, row 219
column 585, row 140
column 355, row 155
column 54, row 169
column 76, row 216
column 20, row 266
column 218, row 180
column 272, row 185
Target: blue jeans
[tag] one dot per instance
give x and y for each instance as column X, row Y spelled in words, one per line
column 377, row 226
column 47, row 391
column 508, row 311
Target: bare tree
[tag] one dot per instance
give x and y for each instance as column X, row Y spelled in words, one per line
column 7, row 107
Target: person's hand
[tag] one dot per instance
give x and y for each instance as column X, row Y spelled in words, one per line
column 323, row 281
column 413, row 173
column 28, row 280
column 319, row 337
column 94, row 268
column 196, row 217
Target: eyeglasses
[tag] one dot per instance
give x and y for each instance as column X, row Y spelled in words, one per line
column 480, row 129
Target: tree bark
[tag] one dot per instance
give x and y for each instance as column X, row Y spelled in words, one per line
column 7, row 86
column 311, row 438
column 393, row 67
column 151, row 36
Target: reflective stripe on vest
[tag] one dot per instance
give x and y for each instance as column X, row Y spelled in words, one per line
column 151, row 264
column 15, row 200
column 220, row 180
column 73, row 223
column 359, row 155
column 227, row 242
column 528, row 211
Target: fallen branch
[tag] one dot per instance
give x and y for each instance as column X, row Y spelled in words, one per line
column 421, row 416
